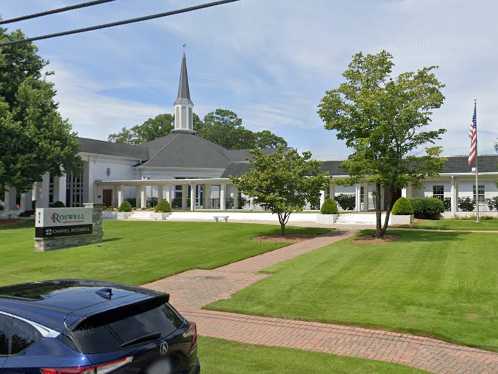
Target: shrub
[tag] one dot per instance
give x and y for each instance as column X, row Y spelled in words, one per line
column 427, row 207
column 447, row 204
column 27, row 213
column 125, row 206
column 176, row 203
column 58, row 204
column 347, row 202
column 467, row 204
column 163, row 207
column 329, row 207
column 1, row 207
column 132, row 201
column 493, row 203
column 402, row 206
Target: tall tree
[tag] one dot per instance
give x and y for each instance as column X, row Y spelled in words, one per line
column 267, row 139
column 282, row 181
column 222, row 127
column 382, row 119
column 34, row 138
column 225, row 128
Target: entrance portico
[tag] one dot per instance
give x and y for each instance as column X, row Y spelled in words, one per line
column 187, row 194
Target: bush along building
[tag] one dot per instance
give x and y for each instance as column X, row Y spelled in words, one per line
column 192, row 174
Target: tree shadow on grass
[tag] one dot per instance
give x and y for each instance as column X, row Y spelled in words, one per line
column 16, row 224
column 403, row 236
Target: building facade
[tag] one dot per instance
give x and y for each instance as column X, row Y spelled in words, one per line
column 194, row 174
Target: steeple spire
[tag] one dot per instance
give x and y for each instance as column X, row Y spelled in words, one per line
column 184, row 120
column 183, row 86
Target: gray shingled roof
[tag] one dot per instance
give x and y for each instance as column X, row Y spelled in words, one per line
column 236, row 169
column 454, row 164
column 138, row 152
column 187, row 150
column 458, row 164
column 183, row 87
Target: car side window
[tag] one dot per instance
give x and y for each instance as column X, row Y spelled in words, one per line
column 15, row 335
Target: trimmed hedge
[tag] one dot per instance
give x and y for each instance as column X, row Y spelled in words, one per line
column 427, row 207
column 347, row 202
column 58, row 204
column 125, row 207
column 329, row 207
column 162, row 207
column 402, row 206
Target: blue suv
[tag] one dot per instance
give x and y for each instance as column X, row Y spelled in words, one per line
column 87, row 327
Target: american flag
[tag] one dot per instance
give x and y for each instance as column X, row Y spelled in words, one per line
column 473, row 138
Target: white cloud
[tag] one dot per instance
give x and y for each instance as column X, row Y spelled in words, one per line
column 92, row 113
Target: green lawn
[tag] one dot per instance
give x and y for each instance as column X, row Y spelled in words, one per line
column 135, row 252
column 223, row 357
column 427, row 283
column 457, row 224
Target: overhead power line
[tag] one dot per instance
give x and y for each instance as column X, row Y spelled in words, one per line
column 54, row 11
column 120, row 23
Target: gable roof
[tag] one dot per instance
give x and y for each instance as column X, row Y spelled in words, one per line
column 186, row 150
column 137, row 152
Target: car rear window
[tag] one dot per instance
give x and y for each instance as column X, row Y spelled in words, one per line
column 110, row 331
column 15, row 335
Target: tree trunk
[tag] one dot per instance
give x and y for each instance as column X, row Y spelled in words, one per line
column 378, row 211
column 388, row 211
column 283, row 218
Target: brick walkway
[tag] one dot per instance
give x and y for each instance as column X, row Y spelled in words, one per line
column 192, row 290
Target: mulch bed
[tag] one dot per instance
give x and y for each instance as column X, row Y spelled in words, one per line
column 371, row 239
column 277, row 238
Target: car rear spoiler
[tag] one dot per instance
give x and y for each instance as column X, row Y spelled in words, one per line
column 118, row 312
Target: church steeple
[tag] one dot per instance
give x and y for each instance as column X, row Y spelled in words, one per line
column 183, row 104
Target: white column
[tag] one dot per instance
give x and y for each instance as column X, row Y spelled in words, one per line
column 27, row 201
column 120, row 195
column 454, row 196
column 207, row 196
column 357, row 197
column 61, row 188
column 10, row 198
column 235, row 197
column 322, row 198
column 251, row 203
column 143, row 197
column 404, row 192
column 42, row 189
column 222, row 196
column 193, row 196
column 365, row 197
column 168, row 193
column 184, row 196
column 91, row 181
column 332, row 190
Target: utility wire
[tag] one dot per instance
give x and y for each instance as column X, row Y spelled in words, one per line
column 120, row 23
column 54, row 11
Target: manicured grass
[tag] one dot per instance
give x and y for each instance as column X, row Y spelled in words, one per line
column 457, row 224
column 135, row 252
column 428, row 283
column 223, row 357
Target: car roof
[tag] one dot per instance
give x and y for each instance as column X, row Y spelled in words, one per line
column 59, row 304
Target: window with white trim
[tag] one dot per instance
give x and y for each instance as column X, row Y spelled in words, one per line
column 438, row 191
column 481, row 192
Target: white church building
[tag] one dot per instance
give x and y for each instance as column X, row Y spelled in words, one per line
column 194, row 174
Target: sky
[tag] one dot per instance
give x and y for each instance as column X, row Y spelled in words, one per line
column 270, row 61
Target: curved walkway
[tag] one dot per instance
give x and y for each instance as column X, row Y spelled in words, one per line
column 192, row 290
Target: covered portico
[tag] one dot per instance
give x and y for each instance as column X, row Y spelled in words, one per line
column 185, row 194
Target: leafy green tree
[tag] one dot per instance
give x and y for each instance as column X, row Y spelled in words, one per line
column 222, row 127
column 267, row 139
column 382, row 119
column 225, row 128
column 34, row 139
column 282, row 182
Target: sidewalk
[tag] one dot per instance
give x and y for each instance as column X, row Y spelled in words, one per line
column 192, row 290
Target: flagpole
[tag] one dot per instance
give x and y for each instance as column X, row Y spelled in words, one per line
column 477, row 172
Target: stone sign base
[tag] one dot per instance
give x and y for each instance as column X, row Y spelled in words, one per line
column 58, row 242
